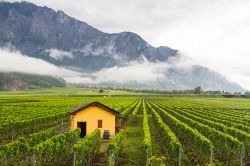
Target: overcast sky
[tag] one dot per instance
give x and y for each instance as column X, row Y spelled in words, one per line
column 215, row 33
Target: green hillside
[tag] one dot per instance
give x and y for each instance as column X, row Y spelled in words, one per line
column 21, row 81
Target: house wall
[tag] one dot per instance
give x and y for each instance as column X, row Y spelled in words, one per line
column 91, row 115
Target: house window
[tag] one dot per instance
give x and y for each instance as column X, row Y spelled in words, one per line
column 99, row 123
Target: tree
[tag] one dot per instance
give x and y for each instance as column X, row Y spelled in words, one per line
column 101, row 91
column 197, row 90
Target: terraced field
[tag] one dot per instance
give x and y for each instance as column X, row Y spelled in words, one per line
column 160, row 130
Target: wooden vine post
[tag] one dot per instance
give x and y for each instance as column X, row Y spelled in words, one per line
column 74, row 159
column 179, row 157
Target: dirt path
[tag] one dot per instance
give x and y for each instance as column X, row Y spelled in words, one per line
column 101, row 157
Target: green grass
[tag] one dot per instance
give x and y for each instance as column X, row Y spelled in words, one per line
column 103, row 147
column 69, row 90
column 133, row 146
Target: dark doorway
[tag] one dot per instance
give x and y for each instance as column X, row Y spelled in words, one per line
column 82, row 126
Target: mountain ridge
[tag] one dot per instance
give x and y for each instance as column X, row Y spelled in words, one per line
column 55, row 37
column 40, row 28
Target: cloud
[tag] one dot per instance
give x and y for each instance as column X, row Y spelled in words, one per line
column 144, row 72
column 140, row 72
column 106, row 50
column 13, row 61
column 59, row 54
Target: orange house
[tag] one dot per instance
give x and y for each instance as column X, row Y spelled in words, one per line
column 90, row 116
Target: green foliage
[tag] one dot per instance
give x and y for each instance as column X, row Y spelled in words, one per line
column 87, row 148
column 136, row 109
column 127, row 110
column 197, row 90
column 202, row 146
column 146, row 131
column 199, row 127
column 57, row 148
column 101, row 91
column 222, row 131
column 222, row 121
column 115, row 147
column 157, row 161
column 15, row 151
column 22, row 115
column 36, row 138
column 22, row 147
column 247, row 93
column 172, row 145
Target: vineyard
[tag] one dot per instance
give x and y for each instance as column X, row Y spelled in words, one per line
column 34, row 130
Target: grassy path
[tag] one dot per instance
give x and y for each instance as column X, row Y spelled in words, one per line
column 133, row 145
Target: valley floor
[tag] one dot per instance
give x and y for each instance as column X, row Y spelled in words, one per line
column 193, row 122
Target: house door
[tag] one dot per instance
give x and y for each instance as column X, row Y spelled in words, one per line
column 82, row 126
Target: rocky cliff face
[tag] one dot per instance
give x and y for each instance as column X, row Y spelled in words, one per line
column 40, row 31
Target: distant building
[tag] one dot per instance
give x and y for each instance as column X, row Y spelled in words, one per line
column 90, row 116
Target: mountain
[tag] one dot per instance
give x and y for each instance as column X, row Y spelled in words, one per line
column 59, row 39
column 179, row 79
column 43, row 33
column 21, row 81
